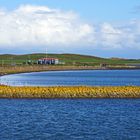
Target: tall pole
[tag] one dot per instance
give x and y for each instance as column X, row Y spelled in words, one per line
column 46, row 56
column 46, row 52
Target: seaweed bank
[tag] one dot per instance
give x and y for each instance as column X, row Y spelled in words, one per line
column 70, row 92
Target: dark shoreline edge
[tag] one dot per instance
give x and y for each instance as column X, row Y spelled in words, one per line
column 75, row 69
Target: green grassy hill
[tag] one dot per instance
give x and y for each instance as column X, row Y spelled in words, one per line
column 69, row 59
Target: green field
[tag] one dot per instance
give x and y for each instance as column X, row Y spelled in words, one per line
column 69, row 59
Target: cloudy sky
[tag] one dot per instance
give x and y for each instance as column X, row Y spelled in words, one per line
column 106, row 28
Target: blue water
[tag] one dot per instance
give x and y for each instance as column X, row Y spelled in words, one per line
column 64, row 78
column 83, row 119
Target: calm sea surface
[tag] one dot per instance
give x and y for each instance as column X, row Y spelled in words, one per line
column 69, row 119
column 83, row 119
column 64, row 78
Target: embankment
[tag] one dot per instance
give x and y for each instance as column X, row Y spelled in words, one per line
column 38, row 68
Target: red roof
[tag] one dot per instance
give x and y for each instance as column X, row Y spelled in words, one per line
column 48, row 59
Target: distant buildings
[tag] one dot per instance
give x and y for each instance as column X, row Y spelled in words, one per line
column 103, row 65
column 49, row 61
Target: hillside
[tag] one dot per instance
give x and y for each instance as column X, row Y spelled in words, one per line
column 69, row 59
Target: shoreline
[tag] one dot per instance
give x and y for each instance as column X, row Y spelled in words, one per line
column 59, row 68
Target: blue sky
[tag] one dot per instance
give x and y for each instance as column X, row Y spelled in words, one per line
column 96, row 10
column 108, row 27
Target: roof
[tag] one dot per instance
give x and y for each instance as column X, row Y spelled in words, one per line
column 47, row 58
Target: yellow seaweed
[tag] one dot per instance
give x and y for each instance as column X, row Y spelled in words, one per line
column 70, row 92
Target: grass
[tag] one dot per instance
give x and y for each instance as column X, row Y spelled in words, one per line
column 69, row 59
column 70, row 92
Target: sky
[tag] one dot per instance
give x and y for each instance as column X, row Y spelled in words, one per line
column 105, row 28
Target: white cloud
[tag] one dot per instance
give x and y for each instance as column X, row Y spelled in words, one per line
column 40, row 25
column 119, row 37
column 110, row 36
column 35, row 26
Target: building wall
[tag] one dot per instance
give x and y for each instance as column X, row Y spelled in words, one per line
column 49, row 61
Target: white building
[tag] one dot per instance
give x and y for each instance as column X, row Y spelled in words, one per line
column 49, row 61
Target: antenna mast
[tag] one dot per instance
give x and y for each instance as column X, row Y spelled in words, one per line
column 46, row 52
